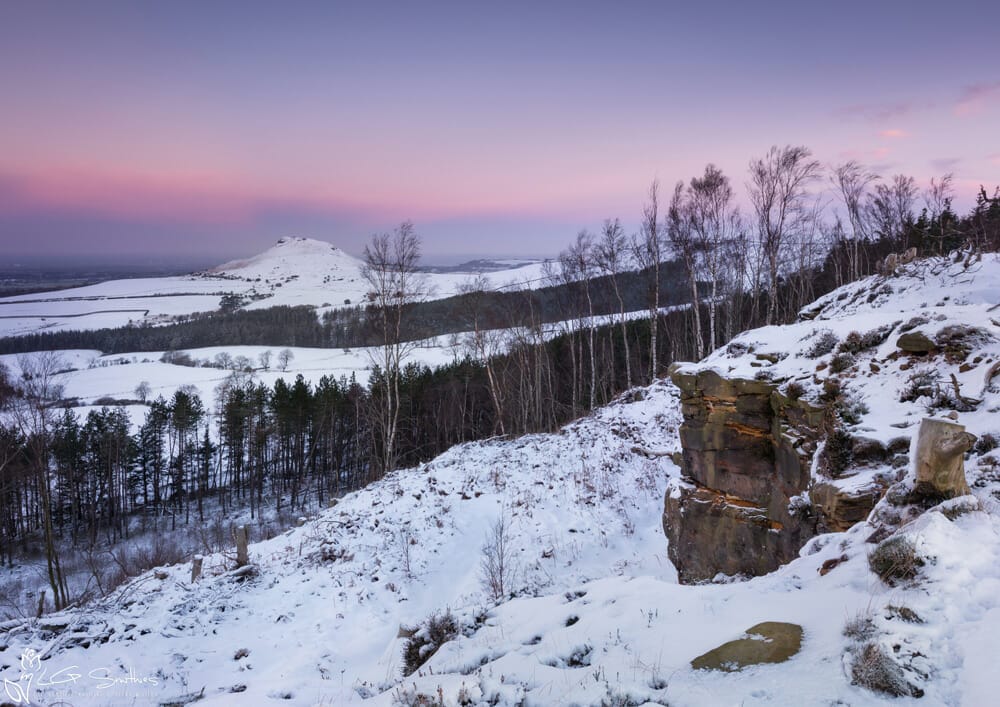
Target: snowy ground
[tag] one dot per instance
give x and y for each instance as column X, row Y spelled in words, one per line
column 320, row 621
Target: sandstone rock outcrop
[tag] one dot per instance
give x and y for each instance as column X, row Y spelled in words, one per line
column 747, row 450
column 747, row 502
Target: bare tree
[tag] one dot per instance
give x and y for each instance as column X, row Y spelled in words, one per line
column 715, row 222
column 680, row 234
column 391, row 268
column 579, row 265
column 779, row 193
column 853, row 183
column 285, row 357
column 264, row 359
column 611, row 255
column 891, row 208
column 483, row 342
column 32, row 413
column 647, row 249
column 498, row 565
column 142, row 391
column 937, row 202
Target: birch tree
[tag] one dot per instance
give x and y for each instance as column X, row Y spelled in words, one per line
column 647, row 250
column 391, row 268
column 611, row 256
column 778, row 190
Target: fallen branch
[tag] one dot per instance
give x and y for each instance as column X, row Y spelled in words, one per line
column 651, row 453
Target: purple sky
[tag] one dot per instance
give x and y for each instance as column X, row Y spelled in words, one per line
column 213, row 129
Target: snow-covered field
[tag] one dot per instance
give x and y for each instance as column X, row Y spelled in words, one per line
column 89, row 376
column 599, row 618
column 296, row 271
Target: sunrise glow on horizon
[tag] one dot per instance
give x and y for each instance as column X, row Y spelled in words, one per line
column 218, row 128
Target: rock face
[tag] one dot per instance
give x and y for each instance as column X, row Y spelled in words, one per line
column 768, row 642
column 940, row 463
column 747, row 451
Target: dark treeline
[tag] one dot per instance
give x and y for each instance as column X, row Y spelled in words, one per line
column 275, row 326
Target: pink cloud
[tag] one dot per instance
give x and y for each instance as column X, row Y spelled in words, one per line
column 995, row 159
column 207, row 198
column 882, row 112
column 188, row 198
column 976, row 96
column 893, row 133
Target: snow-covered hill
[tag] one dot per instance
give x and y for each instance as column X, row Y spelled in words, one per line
column 304, row 257
column 295, row 271
column 599, row 618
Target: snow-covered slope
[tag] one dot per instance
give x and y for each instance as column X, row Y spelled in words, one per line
column 320, row 619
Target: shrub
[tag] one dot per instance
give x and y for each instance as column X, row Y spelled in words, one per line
column 851, row 343
column 795, row 390
column 957, row 341
column 855, row 342
column 109, row 401
column 986, row 443
column 861, row 628
column 895, row 560
column 904, row 613
column 425, row 642
column 832, row 389
column 875, row 670
column 841, row 362
column 837, row 453
column 498, row 564
column 870, row 451
column 851, row 410
column 957, row 507
column 913, row 324
column 824, row 343
column 876, row 337
column 921, row 383
column 178, row 358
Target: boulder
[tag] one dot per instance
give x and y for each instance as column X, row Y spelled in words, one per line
column 768, row 642
column 916, row 342
column 940, row 459
column 837, row 509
